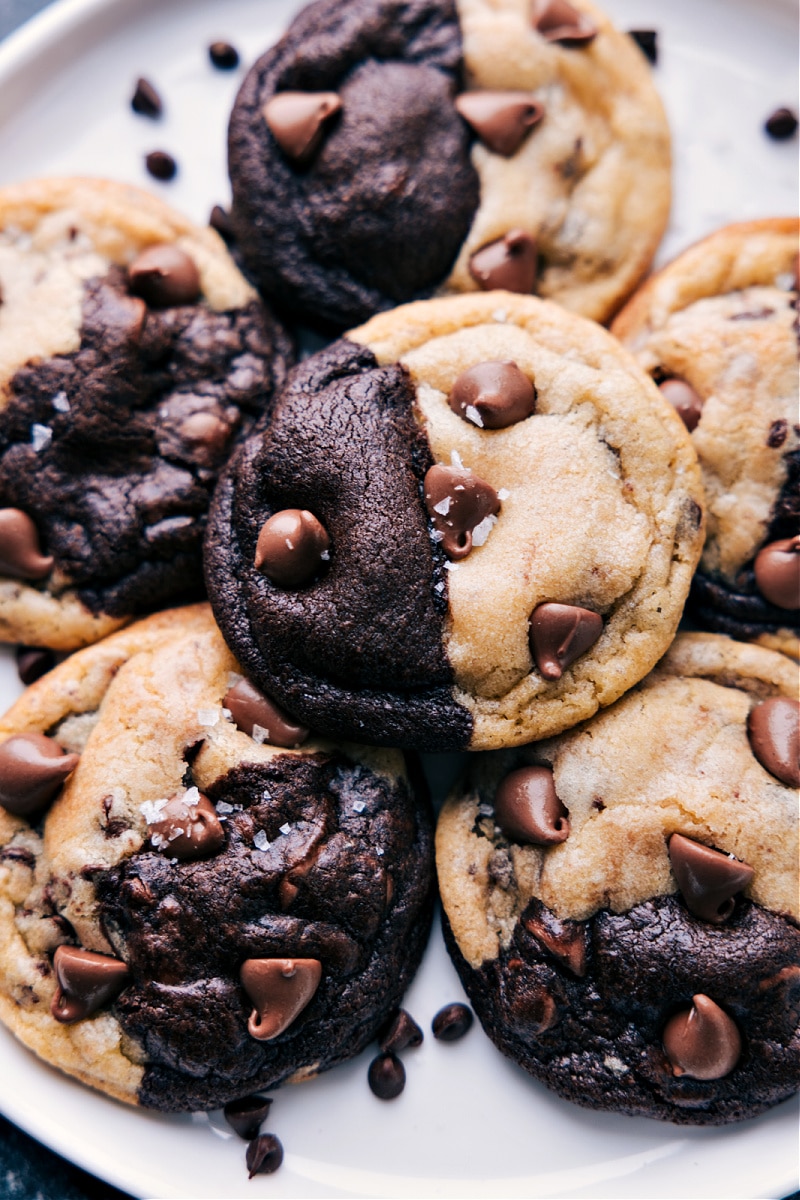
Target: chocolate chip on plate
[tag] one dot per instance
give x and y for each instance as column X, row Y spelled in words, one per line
column 452, row 1022
column 647, row 41
column 264, row 1155
column 146, row 101
column 386, row 1076
column 781, row 124
column 224, row 56
column 33, row 662
column 161, row 165
column 246, row 1114
column 401, row 1032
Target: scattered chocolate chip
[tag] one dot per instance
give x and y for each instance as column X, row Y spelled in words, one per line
column 777, row 572
column 85, row 982
column 255, row 714
column 386, row 1076
column 559, row 634
column 280, row 988
column 187, row 830
column 502, row 120
column 161, row 165
column 33, row 662
column 452, row 1022
column 493, row 395
column 33, row 768
column 647, row 41
column 164, row 275
column 401, row 1032
column 508, row 263
column 291, row 547
column 20, row 552
column 773, row 727
column 458, row 502
column 527, row 808
column 224, row 56
column 146, row 100
column 781, row 124
column 778, row 433
column 264, row 1155
column 684, row 399
column 298, row 121
column 558, row 21
column 702, row 1041
column 708, row 879
column 246, row 1115
column 220, row 219
column 565, row 940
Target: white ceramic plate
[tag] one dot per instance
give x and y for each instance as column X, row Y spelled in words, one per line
column 469, row 1124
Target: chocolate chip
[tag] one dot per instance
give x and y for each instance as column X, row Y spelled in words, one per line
column 245, row 1116
column 702, row 1041
column 401, row 1032
column 20, row 552
column 386, row 1076
column 187, row 830
column 33, row 768
column 280, row 988
column 502, row 120
column 220, row 219
column 452, row 1022
column 684, row 399
column 253, row 711
column 527, row 808
column 224, row 56
column 558, row 21
column 773, row 727
column 781, row 124
column 493, row 395
column 264, row 1155
column 161, row 165
column 85, row 982
column 559, row 634
column 777, row 572
column 298, row 121
column 565, row 940
column 508, row 263
column 708, row 879
column 458, row 502
column 647, row 41
column 33, row 662
column 778, row 432
column 146, row 100
column 164, row 275
column 291, row 548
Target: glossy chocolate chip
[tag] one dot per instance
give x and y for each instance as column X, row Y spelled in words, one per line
column 246, row 1115
column 298, row 121
column 777, row 571
column 502, row 120
column 85, row 982
column 33, row 662
column 161, row 165
column 280, row 988
column 773, row 727
column 401, row 1033
column 561, row 633
column 458, row 504
column 493, row 395
column 708, row 879
column 188, row 828
column 528, row 810
column 257, row 715
column 558, row 21
column 264, row 1155
column 647, row 41
column 33, row 769
column 452, row 1022
column 781, row 124
column 224, row 56
column 702, row 1042
column 146, row 101
column 508, row 263
column 386, row 1076
column 164, row 275
column 565, row 940
column 291, row 547
column 20, row 552
column 684, row 399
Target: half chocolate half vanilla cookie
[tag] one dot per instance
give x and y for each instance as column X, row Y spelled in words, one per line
column 198, row 897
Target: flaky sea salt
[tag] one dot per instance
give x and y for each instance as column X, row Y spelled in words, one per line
column 482, row 530
column 41, row 436
column 260, row 734
column 503, row 494
column 358, row 806
column 379, row 851
column 260, row 840
column 191, row 797
column 455, row 460
column 60, row 402
column 438, row 587
column 443, row 506
column 485, row 810
column 325, row 555
column 500, row 315
column 437, row 535
column 151, row 810
column 614, row 1064
column 208, row 716
column 233, row 678
column 223, row 808
column 451, row 566
column 472, row 414
column 286, row 828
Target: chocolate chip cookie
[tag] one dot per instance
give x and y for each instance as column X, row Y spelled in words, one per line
column 389, row 150
column 621, row 902
column 718, row 330
column 467, row 524
column 133, row 356
column 199, row 897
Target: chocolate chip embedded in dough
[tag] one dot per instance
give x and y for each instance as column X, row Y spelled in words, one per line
column 773, row 727
column 280, row 988
column 264, row 1155
column 527, row 808
column 558, row 21
column 245, row 1115
column 565, row 940
column 298, row 121
column 386, row 1076
column 458, row 501
column 291, row 547
column 20, row 552
column 559, row 634
column 164, row 276
column 502, row 120
column 684, row 399
column 508, row 263
column 253, row 712
column 493, row 395
column 702, row 1042
column 85, row 982
column 777, row 571
column 33, row 768
column 708, row 879
column 146, row 101
column 187, row 829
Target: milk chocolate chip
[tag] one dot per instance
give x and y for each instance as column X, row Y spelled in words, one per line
column 458, row 504
column 708, row 879
column 298, row 120
column 558, row 21
column 164, row 276
column 85, row 982
column 777, row 571
column 559, row 634
column 502, row 120
column 702, row 1041
column 773, row 727
column 508, row 263
column 291, row 547
column 188, row 827
column 20, row 553
column 684, row 399
column 493, row 395
column 527, row 808
column 280, row 988
column 565, row 940
column 33, row 769
column 257, row 715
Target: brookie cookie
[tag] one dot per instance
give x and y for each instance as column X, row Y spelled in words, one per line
column 467, row 524
column 621, row 902
column 387, row 150
column 215, row 901
column 718, row 331
column 133, row 356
